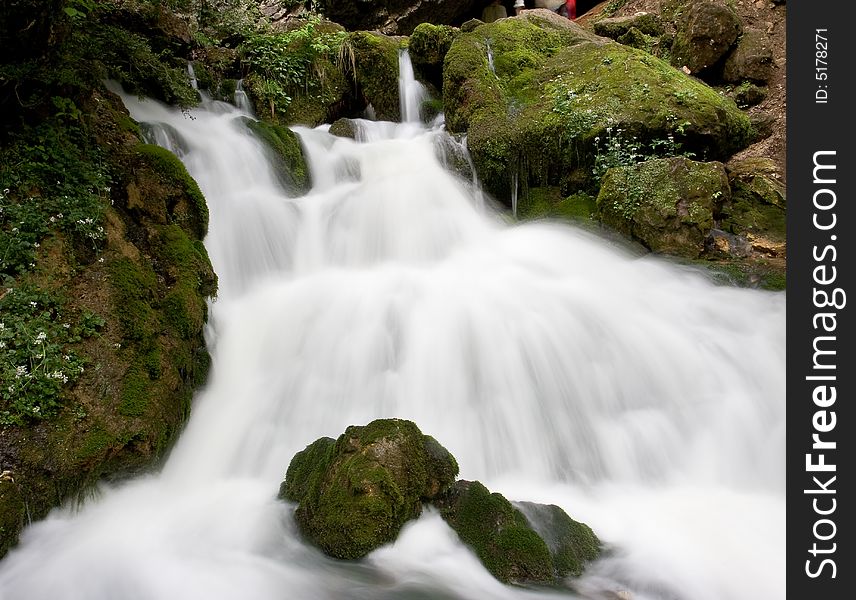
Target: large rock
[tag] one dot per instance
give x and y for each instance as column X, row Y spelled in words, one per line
column 757, row 206
column 376, row 72
column 615, row 27
column 286, row 154
column 355, row 493
column 752, row 59
column 666, row 204
column 705, row 31
column 508, row 544
column 555, row 88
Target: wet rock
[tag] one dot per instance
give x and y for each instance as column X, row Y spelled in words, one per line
column 757, row 206
column 556, row 88
column 355, row 493
column 343, row 128
column 666, row 204
column 538, row 544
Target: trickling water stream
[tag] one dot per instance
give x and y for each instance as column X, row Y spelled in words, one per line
column 646, row 401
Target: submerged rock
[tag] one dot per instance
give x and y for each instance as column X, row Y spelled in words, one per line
column 355, row 493
column 286, row 154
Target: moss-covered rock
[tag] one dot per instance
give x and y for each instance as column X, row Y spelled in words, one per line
column 757, row 206
column 498, row 533
column 514, row 548
column 572, row 544
column 748, row 94
column 356, row 493
column 556, row 88
column 615, row 27
column 666, row 204
column 705, row 31
column 376, row 72
column 428, row 46
column 752, row 59
column 344, row 128
column 286, row 154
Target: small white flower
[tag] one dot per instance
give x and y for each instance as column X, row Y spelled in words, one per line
column 20, row 371
column 41, row 337
column 66, row 325
column 36, row 409
column 33, row 304
column 2, row 326
column 101, row 260
column 37, row 245
column 117, row 345
column 2, row 345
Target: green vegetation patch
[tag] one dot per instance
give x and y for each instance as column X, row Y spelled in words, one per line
column 287, row 154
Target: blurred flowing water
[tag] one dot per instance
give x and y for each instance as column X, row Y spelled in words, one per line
column 556, row 367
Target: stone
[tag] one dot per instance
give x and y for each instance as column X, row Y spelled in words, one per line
column 666, row 204
column 355, row 493
column 752, row 59
column 705, row 31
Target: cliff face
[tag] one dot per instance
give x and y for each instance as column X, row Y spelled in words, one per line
column 105, row 278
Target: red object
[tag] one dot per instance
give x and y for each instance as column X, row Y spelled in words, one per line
column 571, row 9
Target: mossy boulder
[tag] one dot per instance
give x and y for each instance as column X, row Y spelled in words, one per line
column 344, row 128
column 752, row 59
column 705, row 32
column 428, row 46
column 666, row 204
column 556, row 88
column 376, row 71
column 748, row 94
column 572, row 544
column 356, row 493
column 286, row 154
column 147, row 285
column 507, row 543
column 548, row 202
column 757, row 206
column 615, row 27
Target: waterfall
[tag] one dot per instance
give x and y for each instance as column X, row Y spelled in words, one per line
column 489, row 52
column 557, row 368
column 411, row 93
column 242, row 101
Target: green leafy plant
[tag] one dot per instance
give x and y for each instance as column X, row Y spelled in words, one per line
column 619, row 149
column 37, row 360
column 282, row 65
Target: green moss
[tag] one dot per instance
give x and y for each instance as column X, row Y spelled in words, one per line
column 666, row 204
column 555, row 91
column 305, row 469
column 96, row 442
column 356, row 493
column 287, row 151
column 376, row 72
column 133, row 289
column 167, row 165
column 499, row 534
column 429, row 43
column 134, row 397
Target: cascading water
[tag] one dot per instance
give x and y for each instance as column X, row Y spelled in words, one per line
column 242, row 101
column 411, row 92
column 644, row 400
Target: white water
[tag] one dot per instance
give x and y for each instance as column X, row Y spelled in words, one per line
column 411, row 92
column 242, row 101
column 641, row 398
